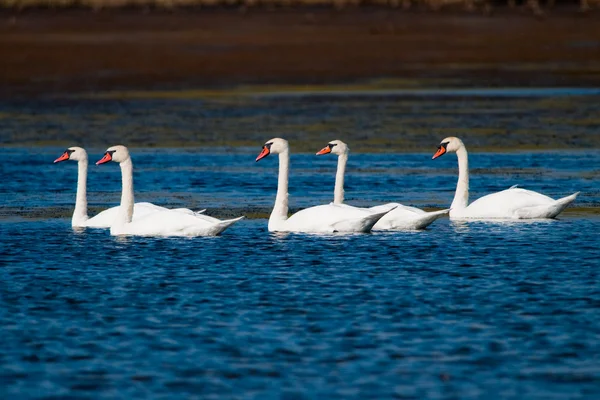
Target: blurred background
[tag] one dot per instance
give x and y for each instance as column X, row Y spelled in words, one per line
column 385, row 75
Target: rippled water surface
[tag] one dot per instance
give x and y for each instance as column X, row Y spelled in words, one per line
column 460, row 310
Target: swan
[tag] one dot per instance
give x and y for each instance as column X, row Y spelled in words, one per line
column 401, row 218
column 319, row 219
column 512, row 203
column 159, row 223
column 105, row 218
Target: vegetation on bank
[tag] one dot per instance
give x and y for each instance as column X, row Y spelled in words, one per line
column 469, row 5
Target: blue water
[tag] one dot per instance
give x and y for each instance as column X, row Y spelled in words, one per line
column 460, row 310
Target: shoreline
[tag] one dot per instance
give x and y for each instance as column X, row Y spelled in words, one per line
column 251, row 213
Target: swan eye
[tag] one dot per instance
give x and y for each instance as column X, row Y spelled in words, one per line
column 69, row 151
column 331, row 145
column 441, row 150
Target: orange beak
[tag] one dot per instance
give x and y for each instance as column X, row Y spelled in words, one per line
column 324, row 150
column 265, row 152
column 440, row 152
column 64, row 157
column 107, row 157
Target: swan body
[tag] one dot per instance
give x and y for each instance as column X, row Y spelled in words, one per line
column 171, row 223
column 326, row 218
column 407, row 218
column 166, row 222
column 400, row 217
column 512, row 203
column 105, row 218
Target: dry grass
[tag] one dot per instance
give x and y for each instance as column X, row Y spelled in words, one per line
column 170, row 4
column 485, row 7
column 167, row 4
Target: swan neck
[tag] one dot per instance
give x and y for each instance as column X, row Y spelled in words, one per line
column 461, row 197
column 338, row 193
column 80, row 211
column 127, row 200
column 280, row 210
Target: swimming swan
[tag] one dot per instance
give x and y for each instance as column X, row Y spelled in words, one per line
column 324, row 218
column 160, row 223
column 512, row 203
column 401, row 218
column 105, row 218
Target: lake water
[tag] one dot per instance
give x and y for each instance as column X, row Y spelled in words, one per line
column 460, row 310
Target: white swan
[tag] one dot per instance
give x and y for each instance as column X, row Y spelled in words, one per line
column 325, row 218
column 105, row 218
column 401, row 218
column 512, row 203
column 159, row 223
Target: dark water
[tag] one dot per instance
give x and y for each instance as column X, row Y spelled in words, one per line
column 461, row 310
column 382, row 120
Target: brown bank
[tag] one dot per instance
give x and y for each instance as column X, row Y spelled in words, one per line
column 46, row 52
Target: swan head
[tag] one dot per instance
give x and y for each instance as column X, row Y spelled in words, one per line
column 273, row 146
column 73, row 153
column 116, row 154
column 334, row 147
column 450, row 144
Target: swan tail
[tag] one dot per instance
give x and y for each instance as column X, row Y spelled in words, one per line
column 546, row 211
column 425, row 220
column 221, row 226
column 563, row 203
column 409, row 223
column 362, row 224
column 384, row 207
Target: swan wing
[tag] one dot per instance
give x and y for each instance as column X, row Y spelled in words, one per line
column 408, row 218
column 508, row 204
column 545, row 210
column 173, row 223
column 399, row 209
column 105, row 218
column 330, row 218
column 199, row 214
column 400, row 217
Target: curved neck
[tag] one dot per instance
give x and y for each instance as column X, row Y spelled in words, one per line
column 338, row 193
column 80, row 211
column 126, row 210
column 461, row 197
column 280, row 210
